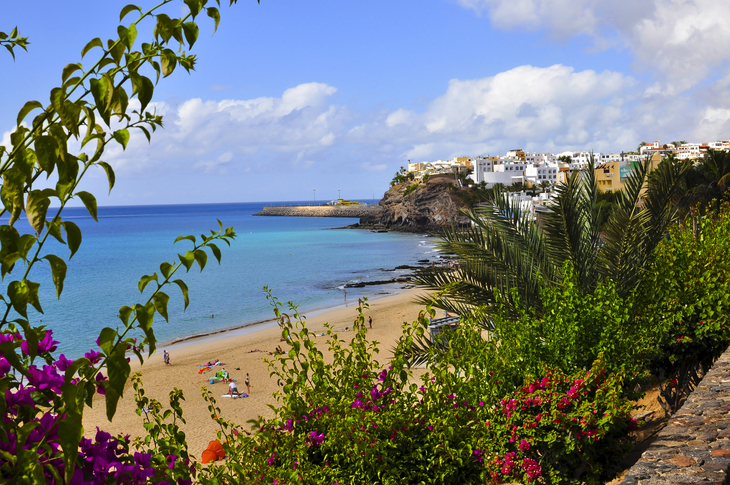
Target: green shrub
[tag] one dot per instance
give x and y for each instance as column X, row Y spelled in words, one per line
column 353, row 421
column 411, row 188
column 687, row 296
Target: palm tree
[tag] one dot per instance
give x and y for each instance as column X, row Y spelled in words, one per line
column 504, row 251
column 544, row 185
column 706, row 185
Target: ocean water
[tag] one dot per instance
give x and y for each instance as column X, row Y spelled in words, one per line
column 303, row 260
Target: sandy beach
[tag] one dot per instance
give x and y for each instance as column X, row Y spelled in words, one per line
column 244, row 349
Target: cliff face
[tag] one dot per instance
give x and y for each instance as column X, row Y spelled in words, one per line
column 430, row 207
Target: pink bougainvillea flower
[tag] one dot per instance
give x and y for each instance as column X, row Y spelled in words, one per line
column 63, row 363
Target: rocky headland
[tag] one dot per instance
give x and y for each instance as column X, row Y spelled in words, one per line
column 418, row 207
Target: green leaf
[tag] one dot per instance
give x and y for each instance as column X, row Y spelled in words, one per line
column 124, row 313
column 145, row 280
column 92, row 43
column 13, row 183
column 109, row 174
column 191, row 31
column 73, row 234
column 118, row 370
column 102, row 94
column 46, row 150
column 145, row 317
column 33, row 295
column 160, row 299
column 116, row 50
column 68, row 70
column 122, row 137
column 58, row 271
column 18, row 293
column 25, row 243
column 168, row 60
column 183, row 238
column 37, row 208
column 215, row 15
column 187, row 260
column 127, row 9
column 127, row 35
column 145, row 93
column 70, row 431
column 89, row 201
column 216, row 252
column 27, row 108
column 194, row 6
column 164, row 269
column 8, row 262
column 184, row 289
column 201, row 257
column 107, row 338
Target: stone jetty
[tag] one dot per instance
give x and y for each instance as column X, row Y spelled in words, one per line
column 321, row 211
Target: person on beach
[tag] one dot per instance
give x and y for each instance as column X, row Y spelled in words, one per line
column 370, row 321
column 166, row 357
column 248, row 384
column 345, row 295
column 233, row 389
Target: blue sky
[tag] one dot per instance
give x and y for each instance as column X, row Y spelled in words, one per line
column 291, row 96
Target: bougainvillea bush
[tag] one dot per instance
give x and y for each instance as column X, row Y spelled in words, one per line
column 355, row 420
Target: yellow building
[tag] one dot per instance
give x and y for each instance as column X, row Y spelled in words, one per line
column 465, row 161
column 608, row 176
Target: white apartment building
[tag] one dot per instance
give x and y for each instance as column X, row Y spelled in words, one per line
column 543, row 157
column 689, row 151
column 481, row 166
column 513, row 165
column 720, row 145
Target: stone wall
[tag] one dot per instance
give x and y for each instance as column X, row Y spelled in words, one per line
column 320, row 211
column 694, row 448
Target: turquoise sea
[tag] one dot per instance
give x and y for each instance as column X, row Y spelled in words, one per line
column 301, row 259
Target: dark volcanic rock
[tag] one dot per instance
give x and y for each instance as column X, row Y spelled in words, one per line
column 429, row 208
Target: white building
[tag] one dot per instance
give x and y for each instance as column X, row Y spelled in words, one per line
column 689, row 151
column 543, row 157
column 720, row 145
column 481, row 166
column 542, row 172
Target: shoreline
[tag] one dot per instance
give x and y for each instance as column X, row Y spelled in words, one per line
column 248, row 328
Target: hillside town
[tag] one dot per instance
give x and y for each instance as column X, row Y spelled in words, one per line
column 529, row 177
column 546, row 169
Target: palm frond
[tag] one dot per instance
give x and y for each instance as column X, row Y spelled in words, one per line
column 571, row 226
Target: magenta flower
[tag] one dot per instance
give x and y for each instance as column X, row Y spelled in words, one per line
column 63, row 363
column 4, row 366
column 47, row 378
column 93, row 356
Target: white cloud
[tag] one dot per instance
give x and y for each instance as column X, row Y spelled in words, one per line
column 527, row 106
column 681, row 40
column 369, row 167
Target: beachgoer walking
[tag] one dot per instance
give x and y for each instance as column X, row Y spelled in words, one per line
column 166, row 357
column 248, row 384
column 359, row 302
column 370, row 321
column 345, row 295
column 233, row 389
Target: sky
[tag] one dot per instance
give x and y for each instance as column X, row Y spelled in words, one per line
column 294, row 100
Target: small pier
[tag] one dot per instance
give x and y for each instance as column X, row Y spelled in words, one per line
column 353, row 211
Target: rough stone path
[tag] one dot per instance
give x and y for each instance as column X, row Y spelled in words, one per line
column 694, row 448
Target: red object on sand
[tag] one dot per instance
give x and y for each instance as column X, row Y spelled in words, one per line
column 214, row 452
